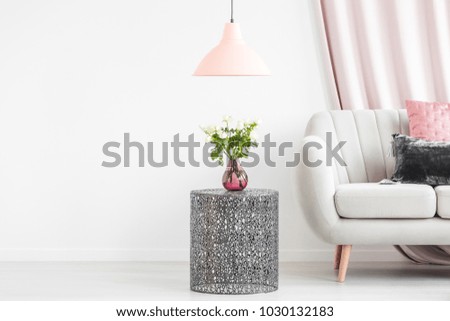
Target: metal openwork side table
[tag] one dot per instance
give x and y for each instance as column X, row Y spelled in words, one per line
column 234, row 241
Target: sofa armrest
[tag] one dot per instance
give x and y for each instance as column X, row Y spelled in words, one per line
column 317, row 188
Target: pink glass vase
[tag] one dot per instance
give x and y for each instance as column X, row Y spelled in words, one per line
column 235, row 178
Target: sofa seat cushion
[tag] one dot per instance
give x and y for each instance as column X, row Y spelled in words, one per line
column 373, row 200
column 443, row 200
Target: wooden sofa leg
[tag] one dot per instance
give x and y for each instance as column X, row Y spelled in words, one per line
column 337, row 256
column 343, row 265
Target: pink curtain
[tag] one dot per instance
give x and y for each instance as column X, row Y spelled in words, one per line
column 386, row 51
column 383, row 52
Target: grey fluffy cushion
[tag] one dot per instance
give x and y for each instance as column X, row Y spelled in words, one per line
column 419, row 161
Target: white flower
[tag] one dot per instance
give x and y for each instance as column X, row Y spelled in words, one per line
column 223, row 135
column 227, row 118
column 208, row 129
column 208, row 139
column 253, row 136
column 248, row 123
column 240, row 125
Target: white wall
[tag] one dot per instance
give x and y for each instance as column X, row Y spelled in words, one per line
column 76, row 74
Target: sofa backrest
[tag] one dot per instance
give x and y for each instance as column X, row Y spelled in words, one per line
column 368, row 136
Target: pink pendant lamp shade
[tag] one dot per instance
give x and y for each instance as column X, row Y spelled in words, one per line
column 232, row 57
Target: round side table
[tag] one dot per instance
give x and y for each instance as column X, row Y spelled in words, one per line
column 234, row 241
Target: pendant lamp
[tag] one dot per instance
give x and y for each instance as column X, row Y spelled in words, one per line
column 232, row 57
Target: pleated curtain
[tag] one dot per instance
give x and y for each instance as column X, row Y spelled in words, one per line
column 386, row 51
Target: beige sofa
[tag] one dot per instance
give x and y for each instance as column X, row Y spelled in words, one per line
column 347, row 206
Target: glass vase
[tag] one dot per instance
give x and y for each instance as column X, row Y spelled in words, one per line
column 235, row 178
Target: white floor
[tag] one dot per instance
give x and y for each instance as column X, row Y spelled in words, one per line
column 170, row 281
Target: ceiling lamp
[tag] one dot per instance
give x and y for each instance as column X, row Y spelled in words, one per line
column 232, row 57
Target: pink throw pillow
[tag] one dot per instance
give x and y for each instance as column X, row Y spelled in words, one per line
column 429, row 120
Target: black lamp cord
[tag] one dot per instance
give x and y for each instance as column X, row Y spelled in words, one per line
column 232, row 19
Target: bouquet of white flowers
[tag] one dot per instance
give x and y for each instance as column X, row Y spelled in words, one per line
column 234, row 142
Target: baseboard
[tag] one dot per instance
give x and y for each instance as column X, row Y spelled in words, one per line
column 14, row 255
column 93, row 255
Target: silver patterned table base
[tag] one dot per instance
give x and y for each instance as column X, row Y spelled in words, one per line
column 234, row 241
